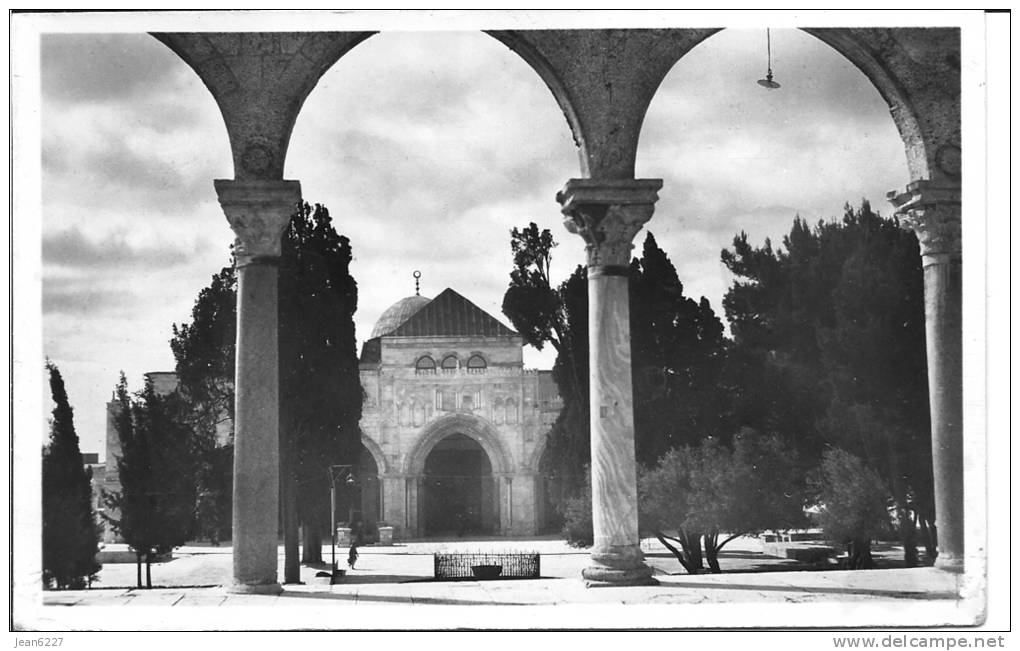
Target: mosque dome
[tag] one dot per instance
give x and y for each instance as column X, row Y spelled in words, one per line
column 396, row 314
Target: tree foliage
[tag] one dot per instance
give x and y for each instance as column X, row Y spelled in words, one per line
column 157, row 470
column 320, row 389
column 699, row 493
column 577, row 516
column 677, row 352
column 829, row 349
column 70, row 532
column 853, row 505
column 203, row 350
column 557, row 316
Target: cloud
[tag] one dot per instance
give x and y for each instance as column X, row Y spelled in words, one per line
column 71, row 300
column 72, row 249
column 104, row 68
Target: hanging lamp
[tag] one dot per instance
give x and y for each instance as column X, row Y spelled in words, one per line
column 767, row 81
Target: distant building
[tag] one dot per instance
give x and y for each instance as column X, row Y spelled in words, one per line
column 97, row 483
column 453, row 426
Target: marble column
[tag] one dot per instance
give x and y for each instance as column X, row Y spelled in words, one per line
column 933, row 213
column 258, row 212
column 607, row 214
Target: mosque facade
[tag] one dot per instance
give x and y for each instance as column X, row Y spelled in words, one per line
column 453, row 425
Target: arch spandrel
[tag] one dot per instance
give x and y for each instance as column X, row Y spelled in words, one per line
column 917, row 72
column 260, row 81
column 479, row 429
column 603, row 80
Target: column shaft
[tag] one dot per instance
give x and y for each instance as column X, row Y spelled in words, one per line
column 616, row 553
column 933, row 213
column 257, row 422
column 258, row 212
column 943, row 328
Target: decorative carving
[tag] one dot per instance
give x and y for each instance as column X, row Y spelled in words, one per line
column 937, row 228
column 257, row 159
column 947, row 157
column 933, row 213
column 258, row 212
column 607, row 215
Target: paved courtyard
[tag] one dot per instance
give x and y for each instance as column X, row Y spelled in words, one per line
column 390, row 589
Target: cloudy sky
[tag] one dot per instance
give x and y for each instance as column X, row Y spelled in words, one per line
column 427, row 148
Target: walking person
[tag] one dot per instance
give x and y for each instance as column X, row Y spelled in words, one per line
column 352, row 555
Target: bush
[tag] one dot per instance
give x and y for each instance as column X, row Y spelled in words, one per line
column 714, row 493
column 854, row 505
column 577, row 524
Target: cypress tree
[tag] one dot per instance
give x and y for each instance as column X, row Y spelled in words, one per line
column 157, row 469
column 70, row 532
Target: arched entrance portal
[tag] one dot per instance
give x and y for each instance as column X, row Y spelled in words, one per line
column 459, row 492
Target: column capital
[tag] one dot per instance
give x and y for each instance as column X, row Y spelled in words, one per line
column 607, row 214
column 933, row 213
column 258, row 212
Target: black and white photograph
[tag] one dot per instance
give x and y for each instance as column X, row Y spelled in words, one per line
column 517, row 320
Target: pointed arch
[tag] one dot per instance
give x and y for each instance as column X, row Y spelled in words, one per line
column 479, row 429
column 377, row 454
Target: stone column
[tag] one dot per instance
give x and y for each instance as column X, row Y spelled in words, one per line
column 933, row 213
column 608, row 214
column 258, row 212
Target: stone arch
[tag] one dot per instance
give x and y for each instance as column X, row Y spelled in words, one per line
column 259, row 133
column 548, row 73
column 535, row 459
column 377, row 454
column 474, row 427
column 889, row 87
column 901, row 80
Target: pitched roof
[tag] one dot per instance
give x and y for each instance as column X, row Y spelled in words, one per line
column 451, row 315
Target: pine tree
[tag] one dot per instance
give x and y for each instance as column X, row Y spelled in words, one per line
column 829, row 349
column 677, row 348
column 70, row 532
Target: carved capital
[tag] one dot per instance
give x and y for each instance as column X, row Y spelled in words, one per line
column 258, row 212
column 933, row 213
column 607, row 215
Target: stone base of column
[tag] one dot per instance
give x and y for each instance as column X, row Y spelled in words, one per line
column 949, row 563
column 620, row 567
column 255, row 588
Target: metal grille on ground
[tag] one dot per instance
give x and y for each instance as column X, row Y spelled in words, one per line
column 510, row 565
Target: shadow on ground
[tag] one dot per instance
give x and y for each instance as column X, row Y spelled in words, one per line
column 397, row 599
column 870, row 592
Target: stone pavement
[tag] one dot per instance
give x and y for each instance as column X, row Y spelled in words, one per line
column 387, row 590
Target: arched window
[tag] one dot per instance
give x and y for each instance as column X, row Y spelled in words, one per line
column 476, row 364
column 450, row 364
column 425, row 366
